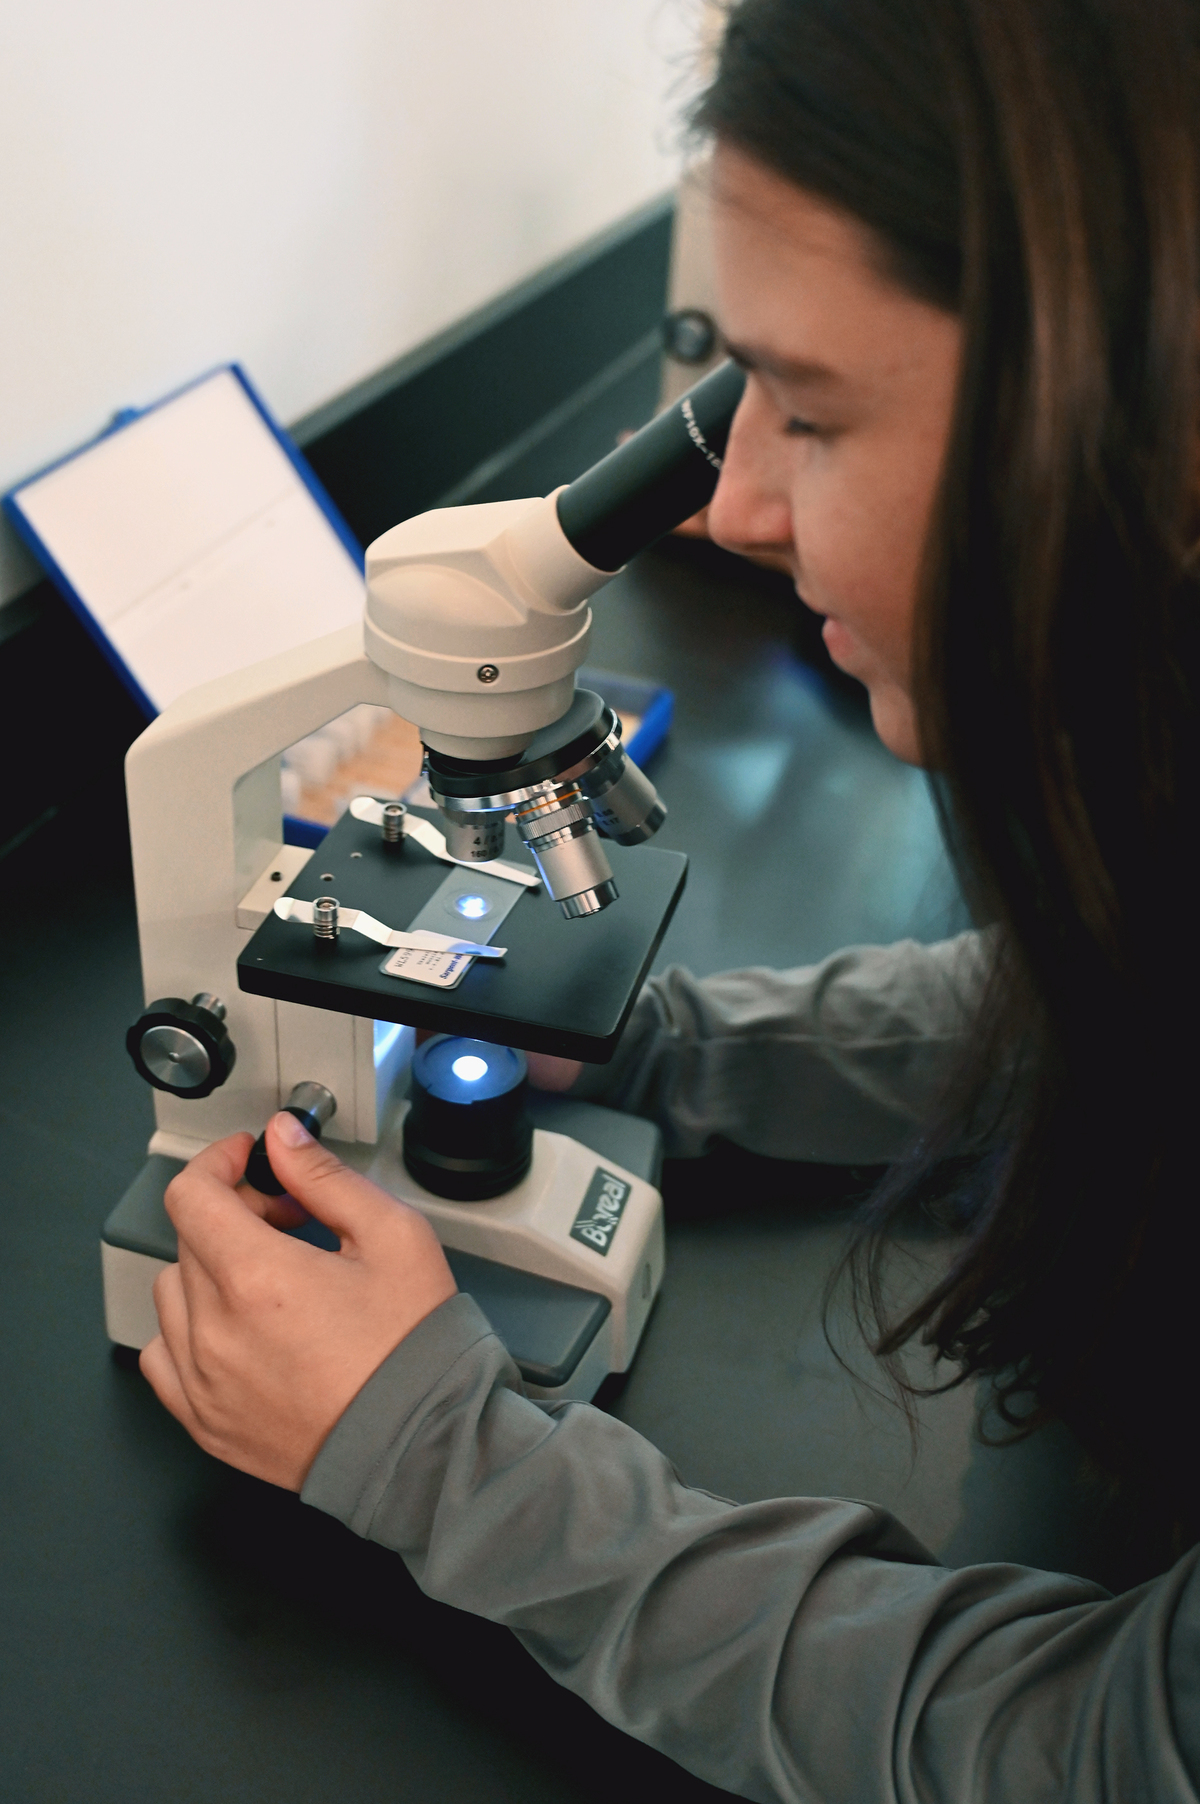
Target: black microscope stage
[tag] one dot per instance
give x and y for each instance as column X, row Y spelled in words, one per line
column 566, row 987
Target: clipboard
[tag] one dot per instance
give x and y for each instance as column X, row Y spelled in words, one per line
column 192, row 538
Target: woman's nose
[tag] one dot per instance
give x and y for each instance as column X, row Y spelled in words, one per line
column 749, row 511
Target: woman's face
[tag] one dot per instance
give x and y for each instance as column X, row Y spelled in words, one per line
column 837, row 446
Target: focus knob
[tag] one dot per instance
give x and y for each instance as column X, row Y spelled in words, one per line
column 182, row 1047
column 313, row 1106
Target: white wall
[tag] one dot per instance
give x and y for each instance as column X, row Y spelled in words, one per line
column 310, row 186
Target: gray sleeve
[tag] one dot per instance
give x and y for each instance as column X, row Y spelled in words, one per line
column 798, row 1649
column 840, row 1062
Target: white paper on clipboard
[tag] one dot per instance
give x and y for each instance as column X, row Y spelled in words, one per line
column 193, row 541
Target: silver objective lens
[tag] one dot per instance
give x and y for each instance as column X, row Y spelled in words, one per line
column 474, row 838
column 573, row 783
column 624, row 801
column 566, row 848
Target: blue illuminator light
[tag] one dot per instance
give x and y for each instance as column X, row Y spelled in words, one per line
column 467, row 1134
column 455, row 1069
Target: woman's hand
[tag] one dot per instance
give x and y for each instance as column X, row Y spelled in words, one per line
column 549, row 1073
column 264, row 1341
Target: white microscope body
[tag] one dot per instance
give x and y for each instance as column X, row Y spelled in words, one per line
column 476, row 620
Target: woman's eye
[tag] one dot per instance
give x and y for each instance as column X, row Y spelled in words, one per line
column 800, row 429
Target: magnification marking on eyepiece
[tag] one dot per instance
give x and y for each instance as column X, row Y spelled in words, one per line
column 697, row 437
column 655, row 480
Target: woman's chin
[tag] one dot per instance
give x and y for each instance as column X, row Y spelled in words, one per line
column 842, row 647
column 895, row 721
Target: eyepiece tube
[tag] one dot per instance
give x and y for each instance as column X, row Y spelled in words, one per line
column 662, row 475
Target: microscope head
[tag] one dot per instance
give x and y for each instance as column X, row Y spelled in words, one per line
column 479, row 617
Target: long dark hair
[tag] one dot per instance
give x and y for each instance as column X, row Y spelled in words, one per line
column 1033, row 165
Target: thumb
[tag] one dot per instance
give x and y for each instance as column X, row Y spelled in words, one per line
column 346, row 1202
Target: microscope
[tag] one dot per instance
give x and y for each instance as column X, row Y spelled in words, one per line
column 519, row 912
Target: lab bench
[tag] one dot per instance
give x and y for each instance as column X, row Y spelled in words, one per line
column 174, row 1629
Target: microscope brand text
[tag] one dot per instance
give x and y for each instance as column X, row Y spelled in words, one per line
column 600, row 1214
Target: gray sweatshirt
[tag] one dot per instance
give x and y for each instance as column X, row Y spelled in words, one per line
column 802, row 1648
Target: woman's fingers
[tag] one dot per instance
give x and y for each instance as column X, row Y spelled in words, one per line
column 323, row 1187
column 215, row 1225
column 160, row 1370
column 281, row 1212
column 170, row 1303
column 546, row 1072
column 264, row 1340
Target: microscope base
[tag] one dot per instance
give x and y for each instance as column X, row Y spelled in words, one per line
column 568, row 1310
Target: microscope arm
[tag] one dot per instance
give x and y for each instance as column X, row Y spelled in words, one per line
column 204, row 814
column 205, row 820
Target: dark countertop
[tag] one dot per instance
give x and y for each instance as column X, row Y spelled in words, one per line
column 174, row 1630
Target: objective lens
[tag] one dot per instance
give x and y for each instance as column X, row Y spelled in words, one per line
column 570, row 859
column 624, row 801
column 469, row 1068
column 473, row 838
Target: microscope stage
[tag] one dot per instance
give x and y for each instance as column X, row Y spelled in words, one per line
column 565, row 987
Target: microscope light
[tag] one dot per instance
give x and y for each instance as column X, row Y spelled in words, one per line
column 467, row 1135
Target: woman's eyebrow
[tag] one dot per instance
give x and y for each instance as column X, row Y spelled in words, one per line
column 787, row 369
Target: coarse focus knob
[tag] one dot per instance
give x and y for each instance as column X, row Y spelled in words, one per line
column 183, row 1047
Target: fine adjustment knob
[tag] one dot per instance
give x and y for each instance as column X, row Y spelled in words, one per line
column 314, row 1107
column 183, row 1047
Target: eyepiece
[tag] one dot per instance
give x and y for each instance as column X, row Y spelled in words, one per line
column 659, row 477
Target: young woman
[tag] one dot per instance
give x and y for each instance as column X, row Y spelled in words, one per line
column 958, row 248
